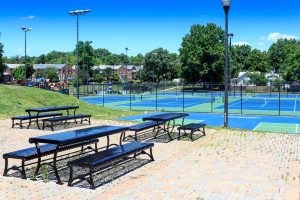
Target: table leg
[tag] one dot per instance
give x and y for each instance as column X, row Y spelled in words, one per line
column 37, row 121
column 168, row 129
column 107, row 142
column 29, row 120
column 37, row 169
column 55, row 167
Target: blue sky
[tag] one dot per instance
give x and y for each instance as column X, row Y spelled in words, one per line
column 140, row 25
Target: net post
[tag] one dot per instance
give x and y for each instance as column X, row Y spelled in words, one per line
column 129, row 96
column 279, row 86
column 183, row 97
column 155, row 95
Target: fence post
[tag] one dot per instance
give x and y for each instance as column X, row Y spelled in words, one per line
column 156, row 96
column 211, row 96
column 183, row 97
column 129, row 96
column 241, row 98
column 279, row 98
column 103, row 95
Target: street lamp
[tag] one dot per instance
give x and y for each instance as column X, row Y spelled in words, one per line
column 77, row 13
column 25, row 29
column 126, row 63
column 226, row 6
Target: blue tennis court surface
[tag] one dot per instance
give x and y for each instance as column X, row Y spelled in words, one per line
column 262, row 123
column 170, row 102
column 107, row 99
column 265, row 104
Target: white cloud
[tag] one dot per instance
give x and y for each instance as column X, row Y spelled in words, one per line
column 30, row 17
column 273, row 37
column 262, row 38
column 241, row 43
column 19, row 49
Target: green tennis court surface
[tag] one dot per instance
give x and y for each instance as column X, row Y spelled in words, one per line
column 278, row 127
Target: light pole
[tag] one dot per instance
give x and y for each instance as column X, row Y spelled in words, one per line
column 25, row 29
column 226, row 6
column 126, row 63
column 77, row 13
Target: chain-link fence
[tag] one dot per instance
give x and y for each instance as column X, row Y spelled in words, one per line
column 281, row 99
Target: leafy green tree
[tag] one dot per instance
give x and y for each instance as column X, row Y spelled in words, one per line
column 240, row 54
column 107, row 73
column 202, row 54
column 279, row 52
column 291, row 66
column 257, row 78
column 99, row 78
column 257, row 61
column 2, row 65
column 41, row 59
column 157, row 63
column 18, row 73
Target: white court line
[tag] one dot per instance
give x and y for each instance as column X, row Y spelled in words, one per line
column 238, row 103
column 257, row 126
column 297, row 128
column 264, row 104
column 295, row 105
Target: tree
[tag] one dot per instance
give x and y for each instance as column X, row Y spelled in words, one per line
column 257, row 78
column 2, row 65
column 41, row 59
column 257, row 61
column 240, row 54
column 50, row 73
column 279, row 52
column 107, row 73
column 86, row 61
column 99, row 78
column 18, row 73
column 157, row 63
column 202, row 54
column 291, row 66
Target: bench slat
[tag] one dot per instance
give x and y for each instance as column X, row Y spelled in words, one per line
column 102, row 157
column 56, row 119
column 192, row 126
column 26, row 117
column 31, row 153
column 143, row 126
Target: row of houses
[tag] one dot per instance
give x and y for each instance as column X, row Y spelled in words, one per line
column 65, row 72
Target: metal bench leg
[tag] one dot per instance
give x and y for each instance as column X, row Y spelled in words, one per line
column 52, row 124
column 6, row 167
column 71, row 176
column 13, row 123
column 204, row 131
column 96, row 147
column 43, row 125
column 151, row 154
column 122, row 137
column 92, row 185
column 192, row 135
column 135, row 136
column 107, row 142
column 89, row 120
column 23, row 170
column 179, row 134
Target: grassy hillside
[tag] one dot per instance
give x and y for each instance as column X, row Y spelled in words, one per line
column 15, row 99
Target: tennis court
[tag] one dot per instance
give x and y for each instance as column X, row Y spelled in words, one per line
column 291, row 105
column 107, row 99
column 174, row 102
column 281, row 124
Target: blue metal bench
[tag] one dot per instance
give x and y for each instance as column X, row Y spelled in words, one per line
column 106, row 157
column 30, row 117
column 192, row 127
column 31, row 153
column 141, row 127
column 51, row 121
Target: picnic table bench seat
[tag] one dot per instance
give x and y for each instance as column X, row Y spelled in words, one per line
column 47, row 149
column 143, row 126
column 83, row 117
column 35, row 116
column 192, row 127
column 105, row 158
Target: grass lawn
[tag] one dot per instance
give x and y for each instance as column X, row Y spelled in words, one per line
column 15, row 99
